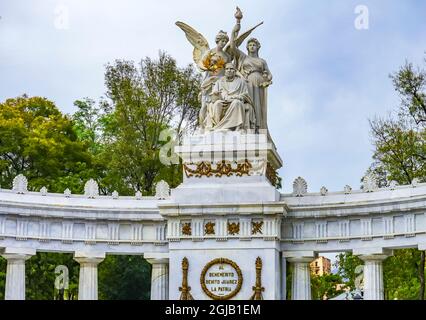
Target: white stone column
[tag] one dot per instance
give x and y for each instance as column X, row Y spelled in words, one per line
column 88, row 279
column 373, row 276
column 301, row 281
column 283, row 278
column 15, row 273
column 159, row 276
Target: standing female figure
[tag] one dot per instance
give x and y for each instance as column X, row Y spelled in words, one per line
column 255, row 70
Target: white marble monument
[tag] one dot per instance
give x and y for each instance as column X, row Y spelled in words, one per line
column 226, row 232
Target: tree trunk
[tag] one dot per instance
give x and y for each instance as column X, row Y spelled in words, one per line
column 422, row 275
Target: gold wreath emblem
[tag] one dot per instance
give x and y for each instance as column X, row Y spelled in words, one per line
column 221, row 261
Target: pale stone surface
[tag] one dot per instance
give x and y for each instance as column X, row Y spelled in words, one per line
column 369, row 183
column 159, row 275
column 373, row 276
column 20, row 184
column 15, row 272
column 212, row 62
column 88, row 278
column 162, row 190
column 67, row 193
column 300, row 187
column 347, row 189
column 364, row 223
column 91, row 189
column 43, row 191
column 301, row 284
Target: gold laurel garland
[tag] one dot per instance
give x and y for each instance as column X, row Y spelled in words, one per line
column 223, row 168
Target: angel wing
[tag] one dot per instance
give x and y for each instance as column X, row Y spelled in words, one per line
column 197, row 40
column 242, row 37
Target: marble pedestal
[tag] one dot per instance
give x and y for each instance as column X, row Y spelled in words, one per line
column 226, row 208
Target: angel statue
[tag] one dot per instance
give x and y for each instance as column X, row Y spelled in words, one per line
column 255, row 70
column 210, row 61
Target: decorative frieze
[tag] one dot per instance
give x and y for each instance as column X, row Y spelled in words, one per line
column 298, row 230
column 222, row 168
column 222, row 229
column 366, row 229
column 137, row 232
column 197, row 226
column 21, row 229
column 344, row 230
column 113, row 233
column 410, row 225
column 257, row 227
column 161, row 232
column 271, row 229
column 44, row 230
column 90, row 233
column 173, row 230
column 233, row 228
column 67, row 231
column 186, row 229
column 389, row 227
column 209, row 228
column 321, row 231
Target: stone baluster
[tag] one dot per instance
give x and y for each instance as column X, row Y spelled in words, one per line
column 88, row 279
column 15, row 273
column 159, row 275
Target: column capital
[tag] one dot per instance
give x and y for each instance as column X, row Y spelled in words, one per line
column 17, row 254
column 300, row 256
column 89, row 257
column 157, row 258
column 373, row 254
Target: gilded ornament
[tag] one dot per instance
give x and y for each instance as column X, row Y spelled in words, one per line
column 257, row 288
column 223, row 168
column 209, row 228
column 256, row 227
column 271, row 174
column 186, row 229
column 185, row 289
column 221, row 261
column 233, row 228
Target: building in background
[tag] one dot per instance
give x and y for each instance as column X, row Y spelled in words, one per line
column 321, row 266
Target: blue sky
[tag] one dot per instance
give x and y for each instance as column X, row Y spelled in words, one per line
column 329, row 77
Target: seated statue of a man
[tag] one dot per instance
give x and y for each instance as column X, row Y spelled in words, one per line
column 231, row 107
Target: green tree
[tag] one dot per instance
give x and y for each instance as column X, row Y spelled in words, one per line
column 346, row 264
column 325, row 286
column 124, row 278
column 144, row 101
column 40, row 276
column 400, row 156
column 3, row 264
column 37, row 140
